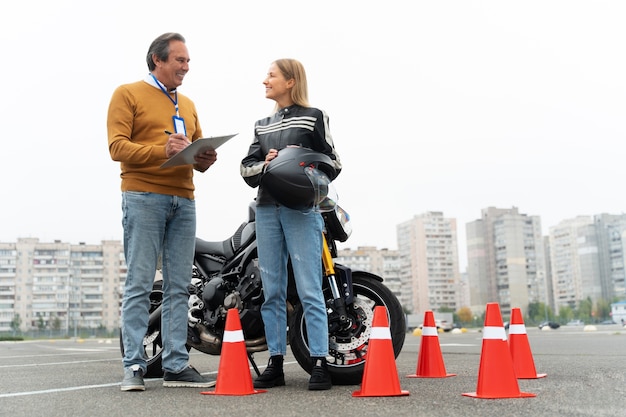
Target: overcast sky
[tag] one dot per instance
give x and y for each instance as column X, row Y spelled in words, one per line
column 450, row 106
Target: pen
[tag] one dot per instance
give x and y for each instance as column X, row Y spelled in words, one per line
column 168, row 132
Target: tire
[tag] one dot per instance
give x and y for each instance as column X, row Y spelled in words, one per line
column 347, row 349
column 152, row 342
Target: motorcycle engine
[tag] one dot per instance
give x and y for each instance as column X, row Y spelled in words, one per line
column 210, row 300
column 213, row 293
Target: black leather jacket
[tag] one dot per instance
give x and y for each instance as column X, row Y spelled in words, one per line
column 293, row 125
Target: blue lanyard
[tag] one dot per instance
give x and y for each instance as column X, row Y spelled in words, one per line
column 167, row 94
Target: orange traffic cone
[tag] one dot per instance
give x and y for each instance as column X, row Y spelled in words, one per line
column 521, row 355
column 496, row 376
column 430, row 360
column 233, row 375
column 380, row 377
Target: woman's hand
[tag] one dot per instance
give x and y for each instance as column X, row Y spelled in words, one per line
column 270, row 155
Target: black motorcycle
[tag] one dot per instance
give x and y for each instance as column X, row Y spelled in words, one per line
column 226, row 275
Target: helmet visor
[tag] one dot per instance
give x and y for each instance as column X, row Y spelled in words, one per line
column 325, row 198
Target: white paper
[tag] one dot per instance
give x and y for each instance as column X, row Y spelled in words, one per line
column 186, row 156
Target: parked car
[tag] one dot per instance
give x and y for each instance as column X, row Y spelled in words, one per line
column 442, row 324
column 575, row 323
column 551, row 324
column 608, row 322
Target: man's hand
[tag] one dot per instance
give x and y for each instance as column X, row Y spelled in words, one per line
column 205, row 159
column 175, row 143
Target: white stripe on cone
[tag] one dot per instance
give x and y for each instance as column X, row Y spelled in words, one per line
column 380, row 333
column 493, row 332
column 517, row 329
column 231, row 336
column 429, row 331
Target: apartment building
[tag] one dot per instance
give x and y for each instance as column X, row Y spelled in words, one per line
column 57, row 285
column 382, row 262
column 506, row 260
column 429, row 262
column 587, row 257
column 611, row 230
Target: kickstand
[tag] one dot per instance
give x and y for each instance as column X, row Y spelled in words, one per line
column 251, row 359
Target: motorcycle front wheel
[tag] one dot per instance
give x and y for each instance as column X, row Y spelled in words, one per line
column 348, row 347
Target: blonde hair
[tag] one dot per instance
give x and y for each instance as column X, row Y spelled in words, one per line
column 293, row 69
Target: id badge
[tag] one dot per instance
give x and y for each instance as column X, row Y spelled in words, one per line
column 179, row 125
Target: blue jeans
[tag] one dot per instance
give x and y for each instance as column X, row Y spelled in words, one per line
column 281, row 232
column 157, row 224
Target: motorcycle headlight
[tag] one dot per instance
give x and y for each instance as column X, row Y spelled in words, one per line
column 344, row 221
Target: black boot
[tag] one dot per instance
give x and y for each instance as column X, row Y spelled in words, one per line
column 273, row 375
column 320, row 378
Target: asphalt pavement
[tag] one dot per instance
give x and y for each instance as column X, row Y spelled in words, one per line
column 586, row 376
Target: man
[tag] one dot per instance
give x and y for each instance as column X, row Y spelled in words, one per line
column 158, row 208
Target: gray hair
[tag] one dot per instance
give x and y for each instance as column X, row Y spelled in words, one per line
column 161, row 48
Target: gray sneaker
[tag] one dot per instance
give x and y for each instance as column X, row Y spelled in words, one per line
column 188, row 377
column 133, row 379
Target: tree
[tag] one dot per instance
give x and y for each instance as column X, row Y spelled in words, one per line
column 585, row 309
column 565, row 314
column 16, row 323
column 538, row 312
column 465, row 315
column 56, row 323
column 603, row 309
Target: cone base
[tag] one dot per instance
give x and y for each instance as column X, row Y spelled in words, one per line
column 257, row 391
column 397, row 394
column 430, row 376
column 533, row 377
column 495, row 397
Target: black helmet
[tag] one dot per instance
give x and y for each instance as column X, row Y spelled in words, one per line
column 298, row 177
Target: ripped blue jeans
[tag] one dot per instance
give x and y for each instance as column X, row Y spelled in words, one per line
column 283, row 232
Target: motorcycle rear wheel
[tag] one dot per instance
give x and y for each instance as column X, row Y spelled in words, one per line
column 348, row 348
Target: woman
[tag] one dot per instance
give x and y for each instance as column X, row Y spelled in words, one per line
column 284, row 232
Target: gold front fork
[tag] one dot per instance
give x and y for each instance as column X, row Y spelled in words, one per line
column 327, row 259
column 329, row 270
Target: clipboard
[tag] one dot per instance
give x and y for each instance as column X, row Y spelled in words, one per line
column 186, row 156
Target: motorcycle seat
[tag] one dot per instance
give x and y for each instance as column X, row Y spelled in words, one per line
column 223, row 248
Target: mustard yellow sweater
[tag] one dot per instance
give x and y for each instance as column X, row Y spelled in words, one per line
column 137, row 119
